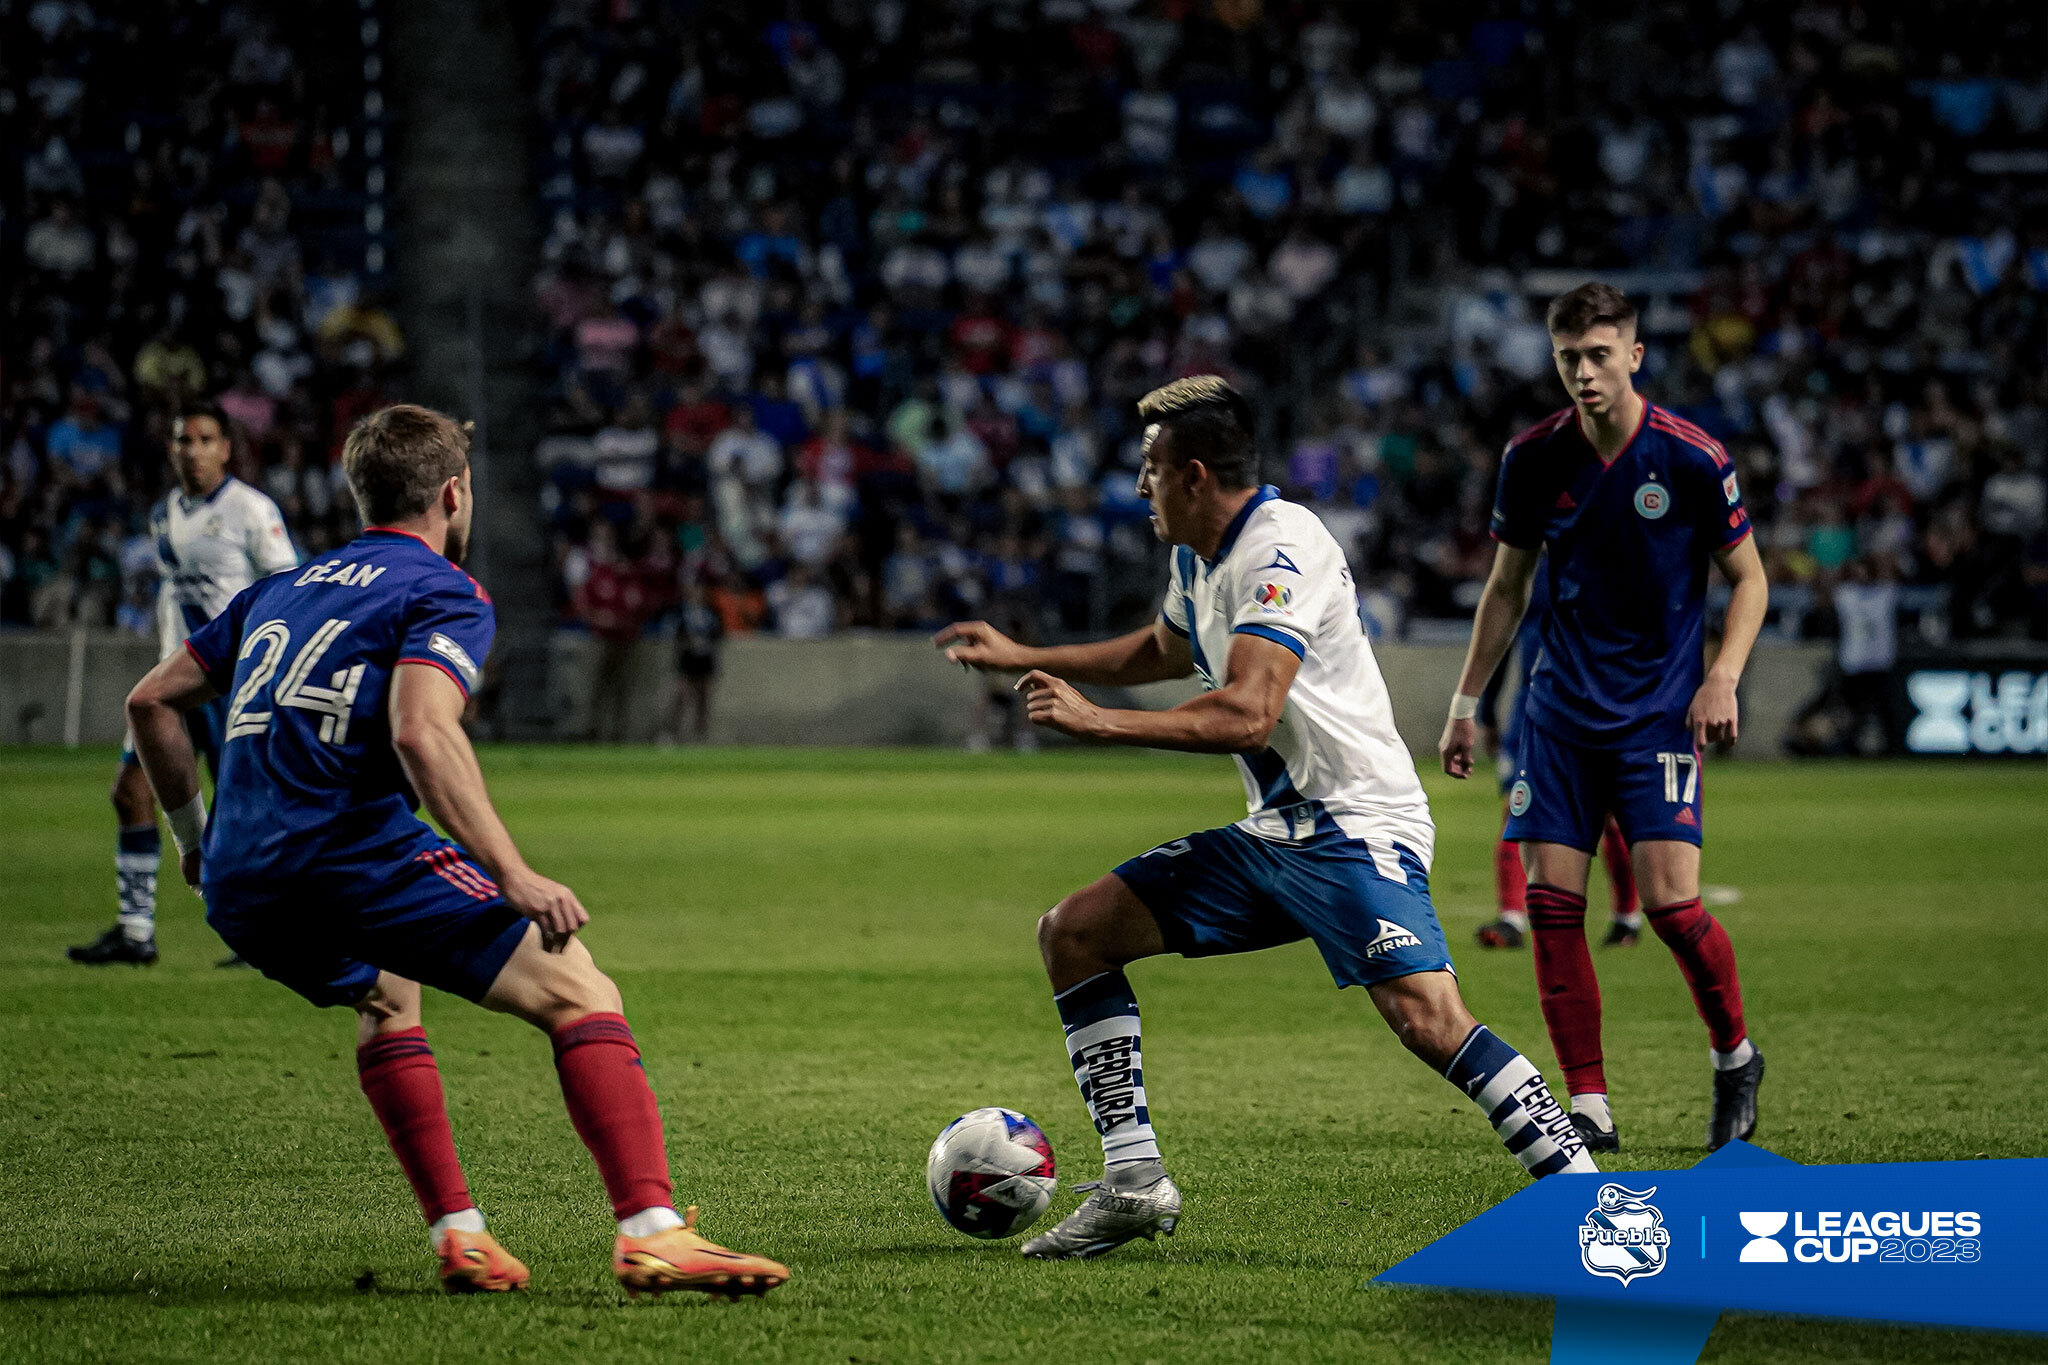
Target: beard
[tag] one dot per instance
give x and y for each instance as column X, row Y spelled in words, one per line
column 456, row 546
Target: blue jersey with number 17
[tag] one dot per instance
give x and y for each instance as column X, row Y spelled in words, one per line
column 308, row 778
column 1629, row 540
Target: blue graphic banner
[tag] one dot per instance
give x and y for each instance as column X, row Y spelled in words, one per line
column 1646, row 1260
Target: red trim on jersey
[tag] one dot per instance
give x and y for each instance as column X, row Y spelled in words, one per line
column 1747, row 532
column 436, row 663
column 200, row 659
column 1692, row 436
column 484, row 596
column 1641, row 420
column 1542, row 428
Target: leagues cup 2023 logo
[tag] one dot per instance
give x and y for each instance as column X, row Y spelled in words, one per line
column 1623, row 1237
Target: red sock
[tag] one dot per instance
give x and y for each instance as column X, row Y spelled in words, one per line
column 1565, row 983
column 1707, row 959
column 613, row 1108
column 1621, row 877
column 1510, row 883
column 404, row 1089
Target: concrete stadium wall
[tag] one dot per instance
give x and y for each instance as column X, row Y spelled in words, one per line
column 855, row 689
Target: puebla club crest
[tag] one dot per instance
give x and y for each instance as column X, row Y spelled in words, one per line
column 1623, row 1237
column 1653, row 500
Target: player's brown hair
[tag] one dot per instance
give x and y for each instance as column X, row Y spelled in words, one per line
column 397, row 458
column 1574, row 312
column 1211, row 422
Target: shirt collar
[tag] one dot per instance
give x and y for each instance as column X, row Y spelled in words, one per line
column 1267, row 492
column 211, row 498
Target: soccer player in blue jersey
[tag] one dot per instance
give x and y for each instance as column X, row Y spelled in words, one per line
column 346, row 684
column 1337, row 839
column 1632, row 504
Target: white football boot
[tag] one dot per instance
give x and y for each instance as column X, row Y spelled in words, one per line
column 1138, row 1200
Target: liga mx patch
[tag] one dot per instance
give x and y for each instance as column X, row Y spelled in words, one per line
column 1652, row 500
column 1273, row 596
column 454, row 654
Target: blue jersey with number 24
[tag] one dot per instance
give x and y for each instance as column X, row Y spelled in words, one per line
column 1629, row 541
column 308, row 777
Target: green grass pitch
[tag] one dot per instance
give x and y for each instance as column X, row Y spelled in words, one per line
column 828, row 955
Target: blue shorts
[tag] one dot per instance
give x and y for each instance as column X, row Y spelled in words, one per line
column 431, row 916
column 1226, row 891
column 1563, row 792
column 204, row 724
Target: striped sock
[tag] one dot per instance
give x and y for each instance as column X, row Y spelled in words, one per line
column 1101, row 1019
column 136, row 854
column 1510, row 1092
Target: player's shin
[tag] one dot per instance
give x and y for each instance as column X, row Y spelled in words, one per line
column 1100, row 1016
column 1569, row 991
column 613, row 1110
column 136, row 855
column 1707, row 960
column 1511, row 884
column 1511, row 1093
column 403, row 1084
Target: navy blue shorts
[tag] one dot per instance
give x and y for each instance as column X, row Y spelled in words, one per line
column 431, row 917
column 1563, row 792
column 1226, row 891
column 204, row 724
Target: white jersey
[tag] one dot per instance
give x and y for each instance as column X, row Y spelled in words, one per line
column 1280, row 574
column 208, row 549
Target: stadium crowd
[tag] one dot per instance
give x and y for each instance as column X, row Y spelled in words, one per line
column 848, row 303
column 183, row 216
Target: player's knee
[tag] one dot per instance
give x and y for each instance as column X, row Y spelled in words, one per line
column 569, row 986
column 1068, row 931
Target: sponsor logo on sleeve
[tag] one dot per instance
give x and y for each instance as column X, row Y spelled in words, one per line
column 1728, row 487
column 454, row 654
column 1281, row 561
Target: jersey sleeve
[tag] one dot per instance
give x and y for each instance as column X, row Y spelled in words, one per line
column 1282, row 581
column 269, row 545
column 214, row 645
column 1518, row 514
column 1176, row 612
column 1719, row 516
column 449, row 626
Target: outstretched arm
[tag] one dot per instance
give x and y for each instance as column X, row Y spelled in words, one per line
column 156, row 717
column 1151, row 654
column 426, row 731
column 1712, row 714
column 1236, row 718
column 1501, row 604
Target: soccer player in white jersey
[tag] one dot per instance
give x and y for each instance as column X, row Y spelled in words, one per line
column 215, row 535
column 1337, row 844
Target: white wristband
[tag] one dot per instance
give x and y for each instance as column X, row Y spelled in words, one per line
column 188, row 824
column 1464, row 707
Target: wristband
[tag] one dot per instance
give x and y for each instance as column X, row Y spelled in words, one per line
column 188, row 824
column 1464, row 707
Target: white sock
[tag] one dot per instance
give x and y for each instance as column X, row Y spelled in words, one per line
column 462, row 1220
column 1100, row 1016
column 648, row 1222
column 1728, row 1061
column 1633, row 919
column 1518, row 918
column 1593, row 1104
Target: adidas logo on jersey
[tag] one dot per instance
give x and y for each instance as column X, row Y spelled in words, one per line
column 1564, row 501
column 1391, row 938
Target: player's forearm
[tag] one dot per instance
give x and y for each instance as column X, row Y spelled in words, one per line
column 164, row 747
column 1213, row 723
column 442, row 768
column 1745, row 620
column 1500, row 611
column 1126, row 661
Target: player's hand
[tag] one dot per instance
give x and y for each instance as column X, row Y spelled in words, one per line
column 1055, row 704
column 1712, row 714
column 188, row 867
column 548, row 903
column 1456, row 746
column 977, row 644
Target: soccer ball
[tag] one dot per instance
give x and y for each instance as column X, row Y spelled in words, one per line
column 991, row 1173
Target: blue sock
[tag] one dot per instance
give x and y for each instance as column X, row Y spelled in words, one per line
column 136, row 854
column 1532, row 1125
column 1101, row 1019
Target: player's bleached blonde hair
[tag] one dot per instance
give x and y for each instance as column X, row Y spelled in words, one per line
column 1210, row 421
